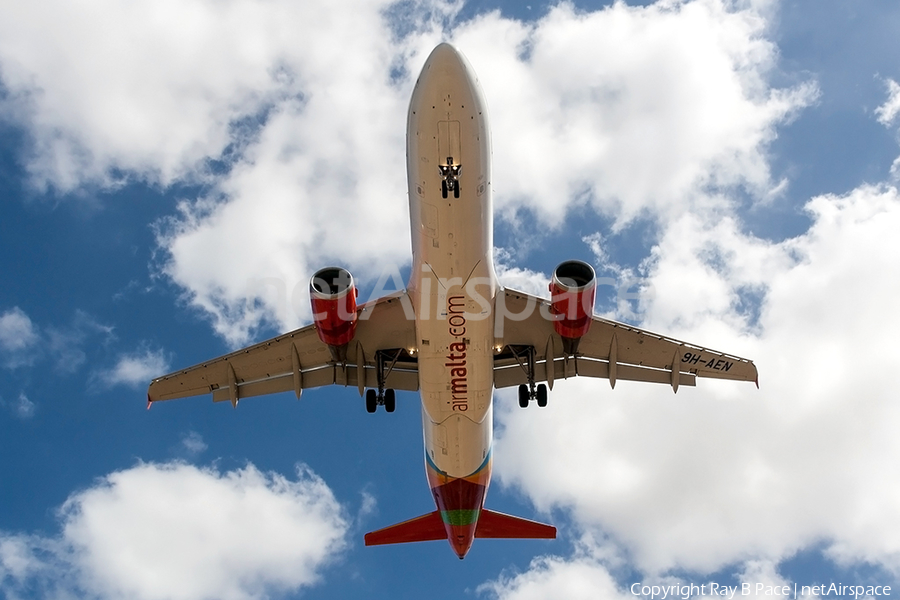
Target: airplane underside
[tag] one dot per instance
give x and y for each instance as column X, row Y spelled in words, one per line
column 454, row 335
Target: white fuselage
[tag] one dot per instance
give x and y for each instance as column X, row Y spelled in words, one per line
column 453, row 284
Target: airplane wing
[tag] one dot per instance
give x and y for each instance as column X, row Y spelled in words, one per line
column 609, row 350
column 298, row 360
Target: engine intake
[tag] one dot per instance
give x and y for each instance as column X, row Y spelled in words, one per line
column 332, row 293
column 572, row 292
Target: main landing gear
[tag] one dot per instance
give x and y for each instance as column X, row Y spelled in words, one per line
column 387, row 398
column 384, row 364
column 536, row 392
column 529, row 391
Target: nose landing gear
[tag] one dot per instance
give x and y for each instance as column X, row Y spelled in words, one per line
column 450, row 173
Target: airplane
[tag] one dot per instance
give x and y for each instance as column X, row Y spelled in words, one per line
column 455, row 334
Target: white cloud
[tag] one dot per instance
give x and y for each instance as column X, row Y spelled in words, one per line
column 723, row 472
column 887, row 114
column 18, row 338
column 66, row 344
column 594, row 571
column 178, row 532
column 135, row 369
column 323, row 183
column 368, row 506
column 579, row 578
column 659, row 110
column 23, row 344
column 193, row 443
column 520, row 278
column 629, row 109
column 24, row 407
column 762, row 580
column 153, row 89
column 611, row 107
column 888, row 111
column 15, row 559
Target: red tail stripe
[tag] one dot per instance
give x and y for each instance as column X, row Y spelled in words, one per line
column 431, row 527
column 421, row 529
column 498, row 525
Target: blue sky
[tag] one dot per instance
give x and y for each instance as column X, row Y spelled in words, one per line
column 171, row 173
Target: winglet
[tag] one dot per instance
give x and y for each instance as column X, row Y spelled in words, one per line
column 150, row 402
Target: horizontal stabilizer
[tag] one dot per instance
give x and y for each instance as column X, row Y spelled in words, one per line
column 498, row 525
column 421, row 529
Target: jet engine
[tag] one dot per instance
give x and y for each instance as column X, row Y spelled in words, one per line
column 332, row 293
column 572, row 292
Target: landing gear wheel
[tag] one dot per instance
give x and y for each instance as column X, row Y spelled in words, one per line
column 456, row 190
column 524, row 396
column 389, row 400
column 443, row 188
column 371, row 401
column 542, row 395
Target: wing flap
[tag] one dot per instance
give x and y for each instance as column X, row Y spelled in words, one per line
column 332, row 374
column 511, row 375
column 272, row 366
column 279, row 383
column 425, row 528
column 263, row 362
column 156, row 395
column 638, row 355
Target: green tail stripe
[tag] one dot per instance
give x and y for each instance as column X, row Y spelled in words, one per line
column 459, row 517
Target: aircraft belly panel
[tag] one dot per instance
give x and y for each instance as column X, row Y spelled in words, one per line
column 448, row 141
column 452, row 284
column 457, row 447
column 455, row 359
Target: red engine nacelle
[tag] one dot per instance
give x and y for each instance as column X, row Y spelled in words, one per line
column 572, row 292
column 333, row 297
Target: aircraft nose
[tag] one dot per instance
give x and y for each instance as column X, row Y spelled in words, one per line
column 445, row 58
column 445, row 51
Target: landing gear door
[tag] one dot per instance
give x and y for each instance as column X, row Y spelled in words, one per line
column 448, row 142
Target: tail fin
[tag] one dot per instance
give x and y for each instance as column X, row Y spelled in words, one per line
column 498, row 525
column 421, row 529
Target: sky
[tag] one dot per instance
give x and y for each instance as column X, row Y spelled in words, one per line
column 172, row 172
